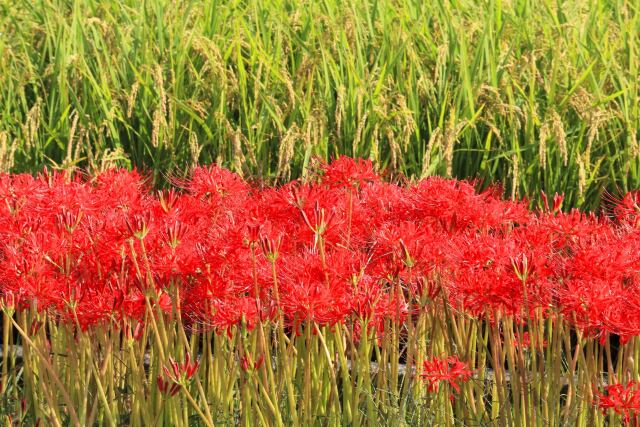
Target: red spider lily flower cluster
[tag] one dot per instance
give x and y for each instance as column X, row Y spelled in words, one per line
column 177, row 374
column 168, row 387
column 346, row 246
column 624, row 400
column 247, row 364
column 449, row 370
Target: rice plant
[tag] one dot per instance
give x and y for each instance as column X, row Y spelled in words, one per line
column 536, row 95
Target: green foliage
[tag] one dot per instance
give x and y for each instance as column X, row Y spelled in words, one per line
column 537, row 95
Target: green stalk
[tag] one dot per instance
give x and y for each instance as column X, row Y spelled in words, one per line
column 283, row 354
column 196, row 407
column 45, row 362
column 6, row 331
column 306, row 389
column 332, row 375
column 347, row 383
column 185, row 342
column 263, row 348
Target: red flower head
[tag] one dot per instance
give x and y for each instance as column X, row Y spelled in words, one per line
column 628, row 210
column 247, row 365
column 450, row 370
column 177, row 375
column 167, row 387
column 624, row 400
column 346, row 172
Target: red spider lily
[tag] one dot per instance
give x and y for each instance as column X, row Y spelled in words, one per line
column 181, row 373
column 9, row 301
column 247, row 364
column 271, row 247
column 177, row 375
column 557, row 202
column 627, row 211
column 346, row 172
column 350, row 248
column 450, row 370
column 168, row 387
column 623, row 399
column 213, row 183
column 35, row 327
column 138, row 331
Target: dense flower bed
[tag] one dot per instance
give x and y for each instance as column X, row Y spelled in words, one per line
column 447, row 280
column 339, row 243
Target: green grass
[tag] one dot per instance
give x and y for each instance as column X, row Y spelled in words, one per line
column 462, row 88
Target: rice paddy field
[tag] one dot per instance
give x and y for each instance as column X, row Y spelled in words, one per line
column 534, row 95
column 358, row 212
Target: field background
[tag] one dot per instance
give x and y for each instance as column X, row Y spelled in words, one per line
column 537, row 95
